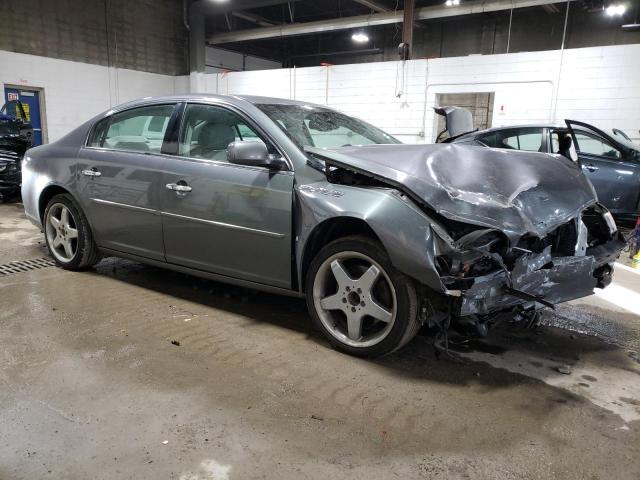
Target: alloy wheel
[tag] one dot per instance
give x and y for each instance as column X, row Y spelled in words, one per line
column 354, row 299
column 62, row 232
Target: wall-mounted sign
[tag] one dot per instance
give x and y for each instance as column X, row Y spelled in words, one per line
column 12, row 97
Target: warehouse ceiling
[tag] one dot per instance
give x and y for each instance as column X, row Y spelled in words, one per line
column 540, row 27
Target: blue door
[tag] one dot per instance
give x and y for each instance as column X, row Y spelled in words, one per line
column 30, row 100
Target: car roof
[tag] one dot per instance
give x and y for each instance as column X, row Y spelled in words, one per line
column 234, row 99
column 527, row 125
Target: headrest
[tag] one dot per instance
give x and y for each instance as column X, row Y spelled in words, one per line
column 216, row 136
column 565, row 142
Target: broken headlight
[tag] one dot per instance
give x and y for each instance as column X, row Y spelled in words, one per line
column 477, row 253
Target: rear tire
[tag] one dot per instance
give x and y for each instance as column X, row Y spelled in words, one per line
column 68, row 235
column 358, row 300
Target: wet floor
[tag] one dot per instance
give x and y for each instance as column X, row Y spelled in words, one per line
column 129, row 371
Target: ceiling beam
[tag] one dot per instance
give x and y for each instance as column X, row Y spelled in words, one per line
column 407, row 27
column 359, row 21
column 253, row 18
column 373, row 5
column 210, row 7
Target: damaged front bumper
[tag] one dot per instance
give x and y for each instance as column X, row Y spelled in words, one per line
column 538, row 280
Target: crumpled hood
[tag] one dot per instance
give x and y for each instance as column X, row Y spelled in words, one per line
column 513, row 191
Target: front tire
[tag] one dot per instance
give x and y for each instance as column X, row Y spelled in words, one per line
column 360, row 302
column 68, row 234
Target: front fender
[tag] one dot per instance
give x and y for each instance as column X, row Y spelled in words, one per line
column 404, row 230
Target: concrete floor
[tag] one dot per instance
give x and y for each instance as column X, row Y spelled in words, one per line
column 91, row 385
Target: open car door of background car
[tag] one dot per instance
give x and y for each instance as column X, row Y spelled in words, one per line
column 613, row 169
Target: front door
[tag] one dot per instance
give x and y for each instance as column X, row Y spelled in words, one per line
column 30, row 100
column 228, row 219
column 615, row 177
column 120, row 180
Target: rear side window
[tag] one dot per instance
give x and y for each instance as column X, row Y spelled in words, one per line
column 527, row 139
column 139, row 129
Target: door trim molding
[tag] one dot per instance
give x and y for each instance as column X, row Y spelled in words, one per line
column 224, row 225
column 109, row 203
column 124, row 205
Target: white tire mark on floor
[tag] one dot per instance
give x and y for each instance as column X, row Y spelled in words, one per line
column 620, row 297
column 604, row 386
column 208, row 470
column 627, row 268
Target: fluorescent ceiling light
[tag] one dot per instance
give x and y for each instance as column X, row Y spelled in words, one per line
column 631, row 27
column 360, row 37
column 613, row 10
column 452, row 3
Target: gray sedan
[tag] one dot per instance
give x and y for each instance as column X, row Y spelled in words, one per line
column 300, row 199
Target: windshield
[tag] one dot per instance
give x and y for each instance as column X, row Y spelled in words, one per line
column 320, row 127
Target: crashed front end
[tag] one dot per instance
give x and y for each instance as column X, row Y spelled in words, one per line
column 484, row 273
column 507, row 231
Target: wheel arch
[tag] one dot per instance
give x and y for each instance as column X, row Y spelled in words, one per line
column 328, row 231
column 46, row 195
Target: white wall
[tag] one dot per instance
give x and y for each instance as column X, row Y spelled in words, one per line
column 599, row 85
column 74, row 92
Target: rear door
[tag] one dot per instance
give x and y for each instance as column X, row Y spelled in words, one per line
column 120, row 179
column 615, row 176
column 228, row 219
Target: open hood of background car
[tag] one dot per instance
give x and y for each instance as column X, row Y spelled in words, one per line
column 515, row 192
column 458, row 121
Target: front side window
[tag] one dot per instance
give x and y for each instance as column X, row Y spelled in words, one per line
column 207, row 131
column 527, row 139
column 310, row 126
column 139, row 129
column 595, row 145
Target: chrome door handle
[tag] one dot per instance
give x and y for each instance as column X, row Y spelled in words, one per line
column 179, row 188
column 91, row 172
column 591, row 168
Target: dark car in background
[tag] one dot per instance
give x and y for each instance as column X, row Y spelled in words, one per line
column 16, row 136
column 610, row 160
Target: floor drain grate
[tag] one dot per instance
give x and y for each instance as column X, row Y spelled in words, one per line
column 20, row 266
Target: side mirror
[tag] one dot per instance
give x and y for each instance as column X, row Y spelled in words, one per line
column 254, row 154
